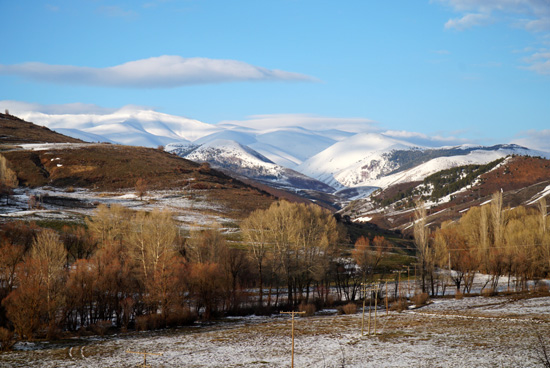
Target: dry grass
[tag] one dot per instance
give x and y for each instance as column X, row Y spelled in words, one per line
column 105, row 167
column 403, row 339
column 15, row 130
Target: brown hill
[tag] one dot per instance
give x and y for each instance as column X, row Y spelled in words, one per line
column 14, row 130
column 520, row 179
column 106, row 167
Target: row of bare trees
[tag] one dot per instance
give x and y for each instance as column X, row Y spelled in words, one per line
column 492, row 240
column 136, row 269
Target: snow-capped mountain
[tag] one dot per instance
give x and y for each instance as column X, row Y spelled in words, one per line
column 233, row 156
column 376, row 160
column 355, row 160
column 353, row 163
column 126, row 126
column 288, row 146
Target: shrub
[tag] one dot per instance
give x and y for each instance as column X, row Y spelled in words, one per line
column 308, row 308
column 6, row 339
column 399, row 305
column 542, row 287
column 350, row 308
column 180, row 317
column 149, row 322
column 489, row 292
column 420, row 299
column 101, row 327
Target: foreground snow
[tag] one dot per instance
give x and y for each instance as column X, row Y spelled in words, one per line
column 472, row 332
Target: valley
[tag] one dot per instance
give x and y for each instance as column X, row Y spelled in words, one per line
column 71, row 187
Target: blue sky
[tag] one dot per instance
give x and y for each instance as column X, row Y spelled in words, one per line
column 468, row 69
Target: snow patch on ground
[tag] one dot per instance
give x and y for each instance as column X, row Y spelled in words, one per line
column 468, row 332
column 190, row 208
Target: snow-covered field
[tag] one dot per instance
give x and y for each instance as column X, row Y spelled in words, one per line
column 190, row 207
column 471, row 332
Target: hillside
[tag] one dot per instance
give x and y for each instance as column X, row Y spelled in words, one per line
column 244, row 161
column 522, row 180
column 105, row 167
column 15, row 130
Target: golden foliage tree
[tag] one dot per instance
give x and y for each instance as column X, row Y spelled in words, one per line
column 301, row 238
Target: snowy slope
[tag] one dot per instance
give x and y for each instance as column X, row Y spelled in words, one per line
column 287, row 147
column 126, row 126
column 356, row 151
column 338, row 158
column 419, row 172
column 245, row 161
column 296, row 142
column 229, row 153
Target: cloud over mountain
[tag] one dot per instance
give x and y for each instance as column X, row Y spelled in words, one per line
column 157, row 72
column 308, row 121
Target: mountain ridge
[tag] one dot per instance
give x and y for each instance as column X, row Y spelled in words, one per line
column 289, row 157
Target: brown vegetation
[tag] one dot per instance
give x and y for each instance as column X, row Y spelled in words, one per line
column 496, row 241
column 519, row 178
column 108, row 167
column 14, row 130
column 134, row 270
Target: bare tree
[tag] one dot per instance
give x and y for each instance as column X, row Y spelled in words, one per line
column 152, row 240
column 302, row 238
column 50, row 253
column 8, row 178
column 421, row 239
column 141, row 188
column 256, row 234
column 109, row 224
column 206, row 245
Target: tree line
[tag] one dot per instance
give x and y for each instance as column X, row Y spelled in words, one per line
column 503, row 243
column 136, row 270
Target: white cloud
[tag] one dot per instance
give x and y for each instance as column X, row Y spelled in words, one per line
column 533, row 15
column 425, row 140
column 313, row 122
column 156, row 72
column 467, row 21
column 534, row 139
column 538, row 25
column 540, row 62
column 19, row 107
column 114, row 11
column 538, row 8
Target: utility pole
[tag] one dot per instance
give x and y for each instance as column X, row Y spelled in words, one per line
column 292, row 313
column 399, row 283
column 370, row 306
column 387, row 310
column 415, row 287
column 408, row 283
column 375, row 306
column 363, row 316
column 144, row 356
